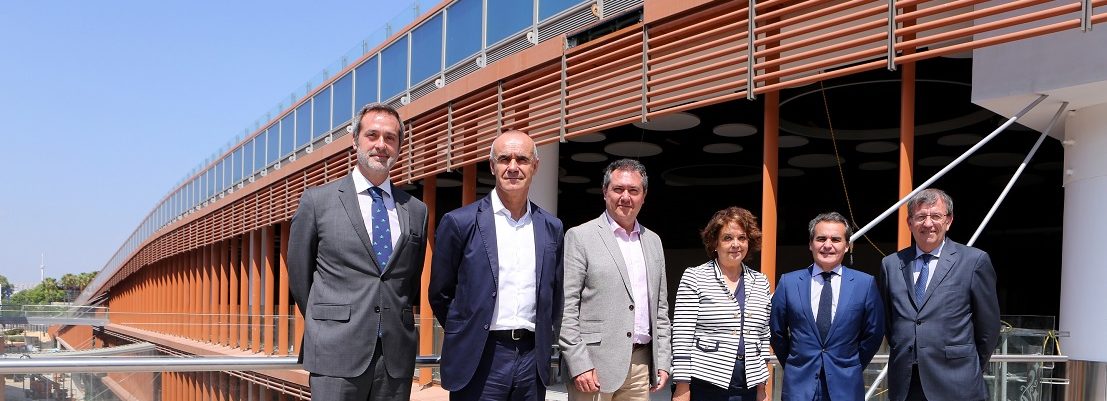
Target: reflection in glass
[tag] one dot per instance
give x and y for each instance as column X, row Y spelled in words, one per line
column 237, row 165
column 272, row 144
column 463, row 28
column 548, row 8
column 288, row 133
column 508, row 17
column 343, row 99
column 321, row 111
column 258, row 146
column 394, row 69
column 426, row 50
column 366, row 75
column 303, row 124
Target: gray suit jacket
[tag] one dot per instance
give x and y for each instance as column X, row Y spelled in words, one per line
column 599, row 307
column 340, row 289
column 951, row 332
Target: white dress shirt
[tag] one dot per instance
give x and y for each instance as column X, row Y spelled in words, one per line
column 915, row 267
column 817, row 289
column 365, row 203
column 517, row 284
column 630, row 246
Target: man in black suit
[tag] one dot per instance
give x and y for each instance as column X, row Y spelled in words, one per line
column 942, row 309
column 354, row 260
column 496, row 285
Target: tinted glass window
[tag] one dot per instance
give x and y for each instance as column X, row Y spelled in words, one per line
column 462, row 30
column 303, row 124
column 221, row 175
column 394, row 69
column 236, row 166
column 272, row 144
column 547, row 8
column 366, row 91
column 426, row 50
column 343, row 99
column 259, row 152
column 288, row 134
column 508, row 17
column 322, row 112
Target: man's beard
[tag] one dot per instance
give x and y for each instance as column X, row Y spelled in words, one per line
column 370, row 164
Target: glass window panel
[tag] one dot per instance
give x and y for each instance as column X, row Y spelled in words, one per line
column 394, row 69
column 221, row 176
column 322, row 112
column 343, row 99
column 259, row 152
column 508, row 17
column 547, row 8
column 462, row 30
column 288, row 133
column 236, row 166
column 426, row 50
column 272, row 144
column 303, row 124
column 366, row 91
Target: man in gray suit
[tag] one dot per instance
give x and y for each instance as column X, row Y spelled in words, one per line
column 354, row 260
column 615, row 329
column 941, row 307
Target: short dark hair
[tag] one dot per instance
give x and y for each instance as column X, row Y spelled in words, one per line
column 832, row 217
column 928, row 196
column 745, row 219
column 378, row 108
column 628, row 165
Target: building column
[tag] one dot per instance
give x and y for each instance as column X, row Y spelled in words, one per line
column 906, row 149
column 269, row 308
column 284, row 296
column 543, row 190
column 1082, row 287
column 769, row 186
column 232, row 287
column 255, row 290
column 426, row 317
column 224, row 290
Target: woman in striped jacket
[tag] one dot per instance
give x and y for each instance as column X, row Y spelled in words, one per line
column 721, row 323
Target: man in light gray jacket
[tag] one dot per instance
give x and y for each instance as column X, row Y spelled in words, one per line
column 615, row 328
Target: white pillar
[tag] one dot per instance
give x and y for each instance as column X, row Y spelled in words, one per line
column 543, row 190
column 1083, row 283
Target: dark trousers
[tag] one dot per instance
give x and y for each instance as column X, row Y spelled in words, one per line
column 823, row 392
column 507, row 371
column 372, row 385
column 700, row 390
column 915, row 391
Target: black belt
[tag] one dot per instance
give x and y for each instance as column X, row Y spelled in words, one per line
column 513, row 334
column 639, row 346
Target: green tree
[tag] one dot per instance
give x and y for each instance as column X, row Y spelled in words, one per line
column 44, row 293
column 6, row 288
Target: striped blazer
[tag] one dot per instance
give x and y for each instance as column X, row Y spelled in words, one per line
column 706, row 327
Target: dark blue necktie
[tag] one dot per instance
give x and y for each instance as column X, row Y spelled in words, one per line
column 382, row 233
column 825, row 301
column 924, row 272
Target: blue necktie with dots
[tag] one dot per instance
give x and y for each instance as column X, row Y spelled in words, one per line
column 826, row 300
column 382, row 232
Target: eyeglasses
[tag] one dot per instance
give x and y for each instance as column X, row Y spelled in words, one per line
column 935, row 217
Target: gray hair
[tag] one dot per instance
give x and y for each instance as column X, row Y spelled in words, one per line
column 627, row 165
column 831, row 217
column 492, row 148
column 377, row 108
column 929, row 196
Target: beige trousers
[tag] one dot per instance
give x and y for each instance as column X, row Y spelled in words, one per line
column 635, row 388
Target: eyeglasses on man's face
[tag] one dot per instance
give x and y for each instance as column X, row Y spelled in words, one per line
column 935, row 217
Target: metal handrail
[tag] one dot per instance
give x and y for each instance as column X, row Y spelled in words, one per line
column 29, row 365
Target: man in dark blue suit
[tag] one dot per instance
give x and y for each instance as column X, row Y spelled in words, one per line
column 496, row 284
column 827, row 321
column 942, row 309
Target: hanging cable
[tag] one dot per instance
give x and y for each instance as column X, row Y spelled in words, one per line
column 842, row 173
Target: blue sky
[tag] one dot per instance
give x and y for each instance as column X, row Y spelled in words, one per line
column 106, row 105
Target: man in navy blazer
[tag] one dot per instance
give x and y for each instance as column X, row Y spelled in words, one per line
column 827, row 320
column 942, row 309
column 496, row 284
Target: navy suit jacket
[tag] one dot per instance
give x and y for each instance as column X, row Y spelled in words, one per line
column 952, row 331
column 464, row 273
column 855, row 335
